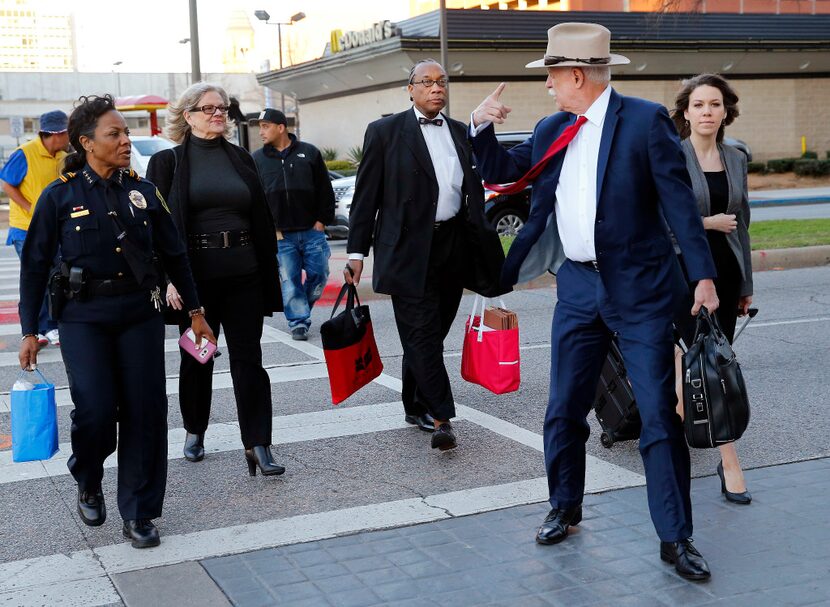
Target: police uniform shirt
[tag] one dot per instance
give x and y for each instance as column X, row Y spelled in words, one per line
column 72, row 214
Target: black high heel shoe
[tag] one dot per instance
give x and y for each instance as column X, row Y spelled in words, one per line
column 744, row 499
column 260, row 456
column 194, row 447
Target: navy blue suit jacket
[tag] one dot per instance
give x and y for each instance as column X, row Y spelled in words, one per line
column 642, row 183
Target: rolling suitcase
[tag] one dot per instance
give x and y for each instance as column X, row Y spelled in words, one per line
column 614, row 402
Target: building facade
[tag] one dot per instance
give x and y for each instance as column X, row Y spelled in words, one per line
column 779, row 64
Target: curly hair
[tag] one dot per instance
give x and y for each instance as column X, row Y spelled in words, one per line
column 176, row 127
column 681, row 103
column 82, row 123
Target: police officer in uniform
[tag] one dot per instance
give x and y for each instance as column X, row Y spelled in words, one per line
column 110, row 227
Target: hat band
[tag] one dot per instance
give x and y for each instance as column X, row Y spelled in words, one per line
column 554, row 59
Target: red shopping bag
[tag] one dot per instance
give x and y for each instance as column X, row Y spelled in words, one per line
column 349, row 346
column 490, row 357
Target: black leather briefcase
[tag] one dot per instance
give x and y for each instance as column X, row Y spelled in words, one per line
column 715, row 402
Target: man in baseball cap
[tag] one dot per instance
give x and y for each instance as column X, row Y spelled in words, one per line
column 301, row 199
column 29, row 169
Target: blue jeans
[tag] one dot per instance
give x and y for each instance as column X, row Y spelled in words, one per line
column 302, row 250
column 44, row 325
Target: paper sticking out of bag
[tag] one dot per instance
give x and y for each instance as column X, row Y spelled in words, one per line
column 500, row 318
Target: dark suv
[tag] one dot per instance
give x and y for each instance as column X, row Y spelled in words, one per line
column 508, row 213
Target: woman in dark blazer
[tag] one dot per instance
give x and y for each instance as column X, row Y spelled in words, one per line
column 704, row 107
column 218, row 205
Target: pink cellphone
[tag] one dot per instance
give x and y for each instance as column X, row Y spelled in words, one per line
column 187, row 342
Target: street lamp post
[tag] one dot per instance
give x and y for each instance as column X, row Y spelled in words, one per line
column 195, row 67
column 264, row 16
column 117, row 74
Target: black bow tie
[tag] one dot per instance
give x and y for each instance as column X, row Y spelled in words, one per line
column 435, row 121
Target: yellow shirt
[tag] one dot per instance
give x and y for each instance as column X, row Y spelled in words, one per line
column 42, row 169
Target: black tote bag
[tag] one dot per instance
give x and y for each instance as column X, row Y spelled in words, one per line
column 715, row 402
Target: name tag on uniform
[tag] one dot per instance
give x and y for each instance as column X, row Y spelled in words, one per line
column 79, row 213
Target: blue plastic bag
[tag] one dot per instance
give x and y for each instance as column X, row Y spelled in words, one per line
column 34, row 422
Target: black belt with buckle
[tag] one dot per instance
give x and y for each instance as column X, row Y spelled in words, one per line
column 111, row 287
column 591, row 265
column 219, row 240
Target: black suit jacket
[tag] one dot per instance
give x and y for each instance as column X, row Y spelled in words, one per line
column 169, row 171
column 394, row 205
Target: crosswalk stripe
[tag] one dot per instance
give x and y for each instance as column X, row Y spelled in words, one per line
column 223, row 437
column 221, row 380
column 53, row 355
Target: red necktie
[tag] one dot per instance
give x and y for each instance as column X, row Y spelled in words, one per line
column 558, row 145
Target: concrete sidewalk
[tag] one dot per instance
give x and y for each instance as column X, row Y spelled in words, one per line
column 760, row 198
column 774, row 552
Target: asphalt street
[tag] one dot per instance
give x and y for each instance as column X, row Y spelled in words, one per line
column 357, row 466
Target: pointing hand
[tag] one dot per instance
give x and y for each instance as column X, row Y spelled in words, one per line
column 491, row 109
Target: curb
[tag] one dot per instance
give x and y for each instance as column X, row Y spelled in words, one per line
column 762, row 261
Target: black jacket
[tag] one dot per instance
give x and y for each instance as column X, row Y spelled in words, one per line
column 394, row 207
column 297, row 187
column 168, row 170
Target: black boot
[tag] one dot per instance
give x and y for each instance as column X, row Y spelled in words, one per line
column 142, row 532
column 260, row 456
column 194, row 447
column 91, row 507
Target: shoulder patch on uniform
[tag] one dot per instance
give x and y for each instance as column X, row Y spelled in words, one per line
column 67, row 176
column 131, row 172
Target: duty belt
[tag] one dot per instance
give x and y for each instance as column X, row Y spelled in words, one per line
column 220, row 240
column 111, row 287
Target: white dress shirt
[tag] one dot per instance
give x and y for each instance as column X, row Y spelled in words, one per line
column 447, row 169
column 446, row 165
column 576, row 192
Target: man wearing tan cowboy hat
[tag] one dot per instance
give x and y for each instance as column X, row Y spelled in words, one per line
column 606, row 170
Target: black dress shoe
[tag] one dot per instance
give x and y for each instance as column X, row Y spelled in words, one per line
column 555, row 527
column 744, row 499
column 444, row 438
column 194, row 447
column 424, row 422
column 687, row 561
column 142, row 533
column 260, row 456
column 91, row 507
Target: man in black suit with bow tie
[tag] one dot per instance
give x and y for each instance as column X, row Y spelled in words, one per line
column 419, row 201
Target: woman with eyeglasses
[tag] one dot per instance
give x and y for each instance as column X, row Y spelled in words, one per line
column 219, row 207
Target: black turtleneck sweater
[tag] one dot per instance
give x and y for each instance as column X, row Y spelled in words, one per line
column 218, row 200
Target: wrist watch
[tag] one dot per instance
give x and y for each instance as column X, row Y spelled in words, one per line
column 200, row 311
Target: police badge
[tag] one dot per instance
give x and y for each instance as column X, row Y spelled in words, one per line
column 137, row 198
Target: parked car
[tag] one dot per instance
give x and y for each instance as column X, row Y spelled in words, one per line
column 508, row 213
column 343, row 194
column 143, row 147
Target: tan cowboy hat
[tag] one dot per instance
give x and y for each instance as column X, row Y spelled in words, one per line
column 578, row 45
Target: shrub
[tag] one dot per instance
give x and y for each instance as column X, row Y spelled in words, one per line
column 812, row 167
column 827, row 153
column 329, row 153
column 810, row 155
column 338, row 165
column 780, row 165
column 355, row 154
column 756, row 167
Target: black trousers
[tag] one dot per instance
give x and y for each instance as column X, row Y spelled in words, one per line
column 236, row 305
column 423, row 323
column 116, row 378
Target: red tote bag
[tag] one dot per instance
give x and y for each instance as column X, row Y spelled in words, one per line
column 490, row 357
column 349, row 346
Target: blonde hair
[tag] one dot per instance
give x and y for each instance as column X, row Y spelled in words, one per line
column 176, row 127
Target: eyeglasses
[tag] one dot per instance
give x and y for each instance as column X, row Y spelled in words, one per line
column 210, row 110
column 428, row 84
